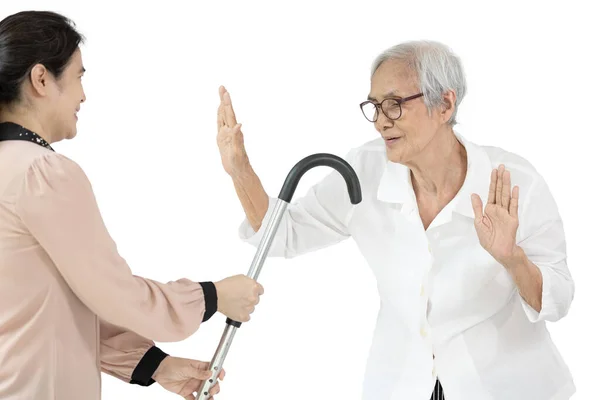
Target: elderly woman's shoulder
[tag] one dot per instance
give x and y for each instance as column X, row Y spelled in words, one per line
column 507, row 157
column 522, row 170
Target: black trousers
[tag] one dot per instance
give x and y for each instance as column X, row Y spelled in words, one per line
column 438, row 392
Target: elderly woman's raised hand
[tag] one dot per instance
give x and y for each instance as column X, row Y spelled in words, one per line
column 497, row 225
column 230, row 138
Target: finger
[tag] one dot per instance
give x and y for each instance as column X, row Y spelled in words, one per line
column 214, row 390
column 499, row 185
column 492, row 193
column 506, row 190
column 514, row 202
column 197, row 386
column 221, row 120
column 220, row 117
column 222, row 374
column 198, row 370
column 229, row 113
column 261, row 289
column 477, row 206
column 221, row 111
column 237, row 134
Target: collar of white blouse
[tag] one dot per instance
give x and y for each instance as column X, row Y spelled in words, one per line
column 395, row 185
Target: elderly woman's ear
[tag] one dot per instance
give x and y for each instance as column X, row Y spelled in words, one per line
column 448, row 105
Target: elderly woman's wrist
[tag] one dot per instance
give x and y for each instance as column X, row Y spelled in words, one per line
column 517, row 259
column 242, row 172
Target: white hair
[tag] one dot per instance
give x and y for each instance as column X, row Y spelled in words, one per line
column 436, row 68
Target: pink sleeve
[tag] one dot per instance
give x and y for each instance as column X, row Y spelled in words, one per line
column 58, row 206
column 121, row 351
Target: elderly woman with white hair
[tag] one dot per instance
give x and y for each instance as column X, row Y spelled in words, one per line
column 465, row 241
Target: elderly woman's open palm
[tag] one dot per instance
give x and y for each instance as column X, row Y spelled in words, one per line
column 229, row 137
column 497, row 225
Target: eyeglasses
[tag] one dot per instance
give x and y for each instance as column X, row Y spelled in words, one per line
column 392, row 108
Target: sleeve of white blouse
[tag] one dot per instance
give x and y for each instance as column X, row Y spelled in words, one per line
column 317, row 220
column 543, row 240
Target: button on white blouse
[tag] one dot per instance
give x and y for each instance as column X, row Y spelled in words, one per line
column 441, row 293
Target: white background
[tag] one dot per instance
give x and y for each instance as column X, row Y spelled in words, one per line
column 297, row 72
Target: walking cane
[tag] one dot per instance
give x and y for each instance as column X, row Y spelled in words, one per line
column 285, row 196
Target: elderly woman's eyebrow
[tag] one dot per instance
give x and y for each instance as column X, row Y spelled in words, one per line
column 393, row 93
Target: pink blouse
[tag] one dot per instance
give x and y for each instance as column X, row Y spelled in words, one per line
column 70, row 307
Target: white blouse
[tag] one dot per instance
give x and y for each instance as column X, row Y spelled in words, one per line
column 449, row 310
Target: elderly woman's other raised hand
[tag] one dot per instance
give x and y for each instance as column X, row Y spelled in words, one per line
column 497, row 225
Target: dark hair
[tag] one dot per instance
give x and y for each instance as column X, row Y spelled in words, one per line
column 29, row 38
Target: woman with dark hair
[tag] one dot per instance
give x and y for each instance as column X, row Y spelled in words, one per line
column 70, row 307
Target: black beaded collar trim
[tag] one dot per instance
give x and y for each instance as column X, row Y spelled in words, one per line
column 12, row 131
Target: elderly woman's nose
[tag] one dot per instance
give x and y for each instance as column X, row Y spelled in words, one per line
column 383, row 122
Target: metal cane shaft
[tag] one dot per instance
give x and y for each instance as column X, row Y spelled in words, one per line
column 267, row 239
column 216, row 364
column 285, row 197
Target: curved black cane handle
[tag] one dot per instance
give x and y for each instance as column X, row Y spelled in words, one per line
column 285, row 196
column 317, row 160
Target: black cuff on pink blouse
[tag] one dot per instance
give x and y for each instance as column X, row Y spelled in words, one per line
column 142, row 374
column 210, row 299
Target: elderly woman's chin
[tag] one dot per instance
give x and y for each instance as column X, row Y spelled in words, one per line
column 395, row 155
column 395, row 150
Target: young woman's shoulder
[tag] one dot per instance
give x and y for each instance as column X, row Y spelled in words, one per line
column 50, row 174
